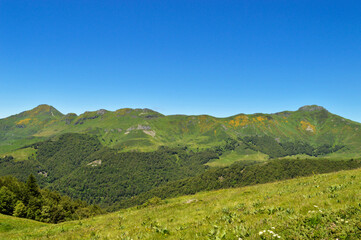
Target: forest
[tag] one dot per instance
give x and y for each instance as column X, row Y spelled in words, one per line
column 77, row 165
column 274, row 149
column 27, row 200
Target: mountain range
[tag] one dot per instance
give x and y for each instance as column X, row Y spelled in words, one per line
column 145, row 130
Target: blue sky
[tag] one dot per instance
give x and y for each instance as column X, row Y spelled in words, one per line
column 181, row 57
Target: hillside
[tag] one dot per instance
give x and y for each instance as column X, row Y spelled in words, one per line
column 146, row 130
column 79, row 166
column 318, row 207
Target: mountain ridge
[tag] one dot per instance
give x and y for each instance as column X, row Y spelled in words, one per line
column 49, row 108
column 145, row 129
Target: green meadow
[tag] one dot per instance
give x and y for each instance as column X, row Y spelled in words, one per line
column 326, row 206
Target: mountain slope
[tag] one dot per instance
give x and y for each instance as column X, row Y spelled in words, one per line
column 318, row 207
column 20, row 129
column 78, row 166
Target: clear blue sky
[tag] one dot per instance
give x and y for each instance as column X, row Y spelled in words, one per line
column 181, row 56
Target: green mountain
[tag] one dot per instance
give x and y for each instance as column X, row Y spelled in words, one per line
column 125, row 157
column 146, row 130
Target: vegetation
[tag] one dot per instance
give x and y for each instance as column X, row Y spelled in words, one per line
column 274, row 149
column 242, row 174
column 27, row 200
column 77, row 165
column 317, row 207
column 118, row 176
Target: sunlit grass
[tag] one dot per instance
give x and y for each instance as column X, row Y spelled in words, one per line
column 21, row 154
column 319, row 207
column 233, row 156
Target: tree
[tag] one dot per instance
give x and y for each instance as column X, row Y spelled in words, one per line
column 20, row 209
column 32, row 186
column 7, row 201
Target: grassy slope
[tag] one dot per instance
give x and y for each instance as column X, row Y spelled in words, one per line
column 144, row 129
column 239, row 154
column 320, row 207
column 21, row 129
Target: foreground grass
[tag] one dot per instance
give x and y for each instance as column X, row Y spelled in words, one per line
column 319, row 207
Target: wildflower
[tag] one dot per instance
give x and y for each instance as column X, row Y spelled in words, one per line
column 315, row 206
column 273, row 227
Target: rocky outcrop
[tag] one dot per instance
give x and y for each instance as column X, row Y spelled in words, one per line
column 101, row 111
column 311, row 108
column 139, row 127
column 146, row 129
column 95, row 163
column 81, row 120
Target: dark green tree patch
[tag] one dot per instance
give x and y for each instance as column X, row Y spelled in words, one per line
column 274, row 149
column 38, row 204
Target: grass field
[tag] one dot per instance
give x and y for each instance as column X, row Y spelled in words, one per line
column 21, row 154
column 231, row 157
column 324, row 206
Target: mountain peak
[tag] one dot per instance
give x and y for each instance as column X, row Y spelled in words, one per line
column 311, row 108
column 41, row 109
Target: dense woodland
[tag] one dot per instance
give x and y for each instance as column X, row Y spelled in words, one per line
column 123, row 175
column 274, row 149
column 242, row 174
column 78, row 166
column 27, row 200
